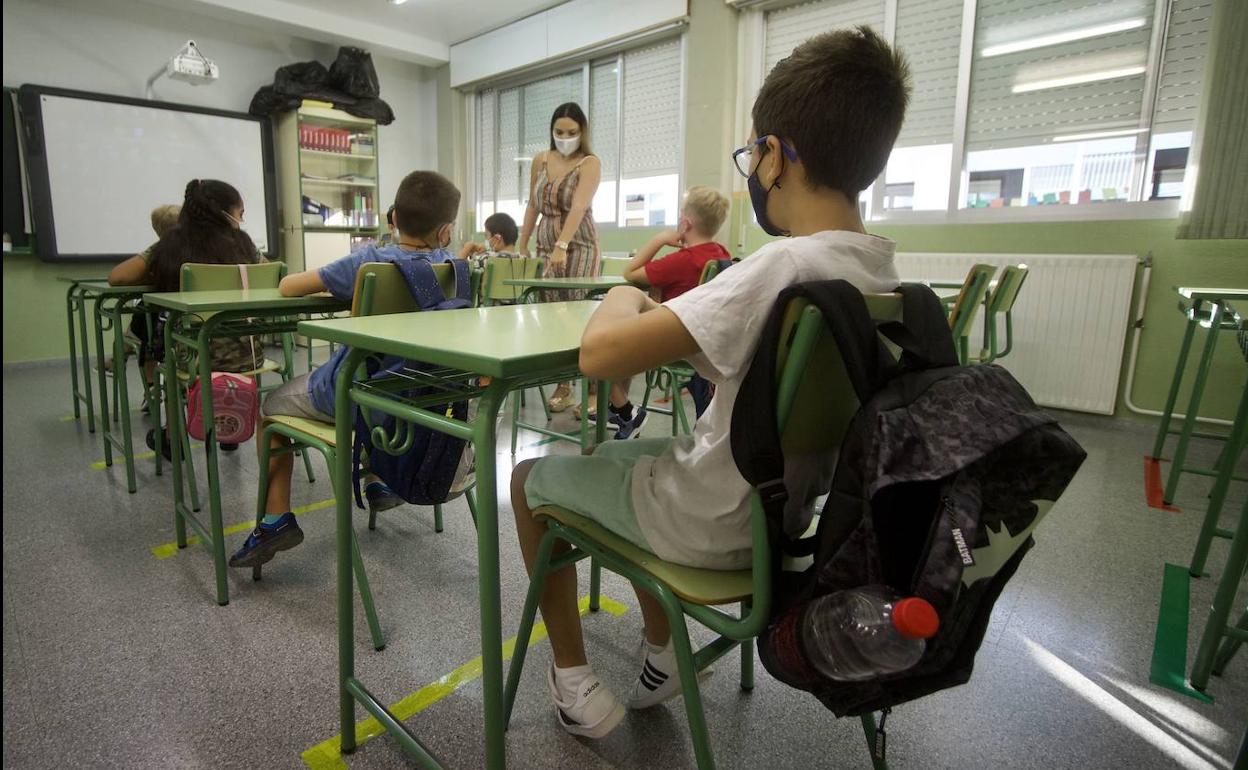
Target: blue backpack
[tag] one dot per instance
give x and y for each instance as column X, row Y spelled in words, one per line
column 423, row 470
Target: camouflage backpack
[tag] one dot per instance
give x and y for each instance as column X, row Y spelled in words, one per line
column 942, row 476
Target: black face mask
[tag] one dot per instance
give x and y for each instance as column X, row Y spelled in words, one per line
column 758, row 199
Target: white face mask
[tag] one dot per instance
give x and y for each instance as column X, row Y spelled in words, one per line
column 566, row 146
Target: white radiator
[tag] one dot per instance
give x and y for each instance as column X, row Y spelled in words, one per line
column 1070, row 321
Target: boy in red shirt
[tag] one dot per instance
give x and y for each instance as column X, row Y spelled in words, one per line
column 700, row 218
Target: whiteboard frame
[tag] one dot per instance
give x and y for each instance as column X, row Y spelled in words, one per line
column 31, row 124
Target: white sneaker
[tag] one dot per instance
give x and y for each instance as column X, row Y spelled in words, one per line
column 659, row 679
column 593, row 713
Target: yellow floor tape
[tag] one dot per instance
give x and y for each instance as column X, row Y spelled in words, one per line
column 165, row 550
column 327, row 755
column 100, row 465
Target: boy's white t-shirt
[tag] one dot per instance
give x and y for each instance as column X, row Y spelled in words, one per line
column 691, row 502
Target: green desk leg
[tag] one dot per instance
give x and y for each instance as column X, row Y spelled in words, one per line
column 121, row 383
column 1163, row 429
column 203, row 351
column 103, row 380
column 1193, row 406
column 1217, row 496
column 1216, row 626
column 86, row 358
column 71, row 304
column 173, row 425
column 600, row 435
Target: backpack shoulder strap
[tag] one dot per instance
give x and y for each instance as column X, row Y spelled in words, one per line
column 755, row 437
column 924, row 337
column 421, row 282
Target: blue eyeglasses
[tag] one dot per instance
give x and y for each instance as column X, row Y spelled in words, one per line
column 741, row 157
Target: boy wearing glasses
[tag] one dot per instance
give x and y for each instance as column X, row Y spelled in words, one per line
column 824, row 125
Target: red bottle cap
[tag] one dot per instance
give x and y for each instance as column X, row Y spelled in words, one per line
column 914, row 618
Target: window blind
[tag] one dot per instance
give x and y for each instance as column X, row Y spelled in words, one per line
column 1056, row 85
column 788, row 27
column 509, row 169
column 487, row 153
column 929, row 33
column 652, row 136
column 604, row 115
column 1183, row 66
column 540, row 100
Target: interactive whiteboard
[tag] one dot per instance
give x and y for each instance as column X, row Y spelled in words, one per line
column 99, row 164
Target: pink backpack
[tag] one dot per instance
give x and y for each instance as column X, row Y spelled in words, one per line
column 235, row 408
column 235, row 403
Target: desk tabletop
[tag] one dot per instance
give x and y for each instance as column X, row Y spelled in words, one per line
column 1211, row 293
column 103, row 287
column 68, row 279
column 592, row 282
column 502, row 341
column 243, row 299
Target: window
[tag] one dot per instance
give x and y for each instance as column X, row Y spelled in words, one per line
column 929, row 31
column 634, row 111
column 1057, row 104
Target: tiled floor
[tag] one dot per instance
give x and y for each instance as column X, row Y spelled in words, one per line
column 115, row 658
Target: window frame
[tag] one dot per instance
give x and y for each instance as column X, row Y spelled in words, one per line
column 584, row 65
column 754, row 17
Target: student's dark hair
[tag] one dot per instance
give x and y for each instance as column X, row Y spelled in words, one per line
column 839, row 100
column 574, row 111
column 502, row 225
column 390, row 216
column 204, row 234
column 426, row 200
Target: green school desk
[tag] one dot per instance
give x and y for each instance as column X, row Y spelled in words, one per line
column 1220, row 640
column 1207, row 307
column 74, row 303
column 112, row 304
column 591, row 285
column 514, row 346
column 196, row 318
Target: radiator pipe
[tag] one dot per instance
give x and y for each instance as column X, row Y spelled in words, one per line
column 1138, row 326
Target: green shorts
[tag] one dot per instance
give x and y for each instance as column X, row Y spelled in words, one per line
column 597, row 486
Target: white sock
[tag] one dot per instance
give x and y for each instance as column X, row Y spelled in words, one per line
column 568, row 680
column 662, row 657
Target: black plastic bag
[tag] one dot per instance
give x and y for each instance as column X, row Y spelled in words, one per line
column 375, row 109
column 300, row 78
column 268, row 101
column 353, row 73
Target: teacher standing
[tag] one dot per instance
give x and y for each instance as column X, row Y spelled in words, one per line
column 562, row 184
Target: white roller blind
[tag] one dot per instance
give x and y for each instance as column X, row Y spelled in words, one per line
column 1002, row 116
column 487, row 138
column 652, row 111
column 1178, row 97
column 509, row 167
column 929, row 33
column 540, row 99
column 604, row 115
column 788, row 27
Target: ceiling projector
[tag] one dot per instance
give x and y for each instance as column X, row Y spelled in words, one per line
column 191, row 66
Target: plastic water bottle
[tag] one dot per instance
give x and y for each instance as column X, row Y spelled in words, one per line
column 865, row 632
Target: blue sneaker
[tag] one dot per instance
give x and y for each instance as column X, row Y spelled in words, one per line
column 266, row 540
column 632, row 428
column 381, row 497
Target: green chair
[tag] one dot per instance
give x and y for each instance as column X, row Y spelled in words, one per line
column 1000, row 302
column 204, row 277
column 499, row 269
column 613, row 265
column 379, row 290
column 810, row 370
column 966, row 304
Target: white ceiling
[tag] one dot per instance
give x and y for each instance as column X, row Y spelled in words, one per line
column 447, row 20
column 419, row 31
